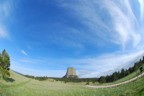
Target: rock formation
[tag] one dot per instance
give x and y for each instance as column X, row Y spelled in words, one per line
column 71, row 73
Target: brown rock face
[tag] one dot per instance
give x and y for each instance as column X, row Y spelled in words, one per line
column 71, row 73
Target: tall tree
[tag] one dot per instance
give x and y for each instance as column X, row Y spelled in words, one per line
column 115, row 76
column 4, row 64
column 136, row 66
column 102, row 79
column 122, row 73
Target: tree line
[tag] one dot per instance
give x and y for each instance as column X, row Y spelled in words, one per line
column 124, row 72
column 4, row 65
column 103, row 79
column 65, row 80
column 5, row 72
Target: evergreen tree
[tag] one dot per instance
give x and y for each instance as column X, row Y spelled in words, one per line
column 131, row 69
column 122, row 73
column 136, row 66
column 127, row 72
column 4, row 64
column 102, row 79
column 141, row 68
column 115, row 76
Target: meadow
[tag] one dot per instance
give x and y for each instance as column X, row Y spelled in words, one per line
column 22, row 86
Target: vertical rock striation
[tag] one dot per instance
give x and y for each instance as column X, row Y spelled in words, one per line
column 71, row 73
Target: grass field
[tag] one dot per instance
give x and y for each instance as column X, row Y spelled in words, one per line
column 130, row 76
column 23, row 86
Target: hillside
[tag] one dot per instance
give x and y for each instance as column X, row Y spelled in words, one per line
column 117, row 84
column 22, row 86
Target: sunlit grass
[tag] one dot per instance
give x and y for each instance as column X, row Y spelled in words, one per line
column 130, row 76
column 29, row 87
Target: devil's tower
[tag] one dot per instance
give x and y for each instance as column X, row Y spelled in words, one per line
column 71, row 73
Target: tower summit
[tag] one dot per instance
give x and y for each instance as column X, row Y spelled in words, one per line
column 71, row 73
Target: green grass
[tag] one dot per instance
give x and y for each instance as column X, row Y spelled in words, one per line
column 132, row 75
column 23, row 86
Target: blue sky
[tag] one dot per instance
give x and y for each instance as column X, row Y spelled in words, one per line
column 97, row 37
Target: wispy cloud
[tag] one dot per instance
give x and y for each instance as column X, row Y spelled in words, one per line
column 28, row 60
column 86, row 67
column 124, row 23
column 24, row 52
column 3, row 32
column 141, row 2
column 6, row 8
column 113, row 21
column 20, row 66
column 94, row 26
column 106, row 64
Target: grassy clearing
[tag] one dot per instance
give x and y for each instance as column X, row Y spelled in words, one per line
column 28, row 87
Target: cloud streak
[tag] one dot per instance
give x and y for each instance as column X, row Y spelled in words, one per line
column 141, row 2
column 124, row 22
column 24, row 52
column 112, row 21
column 106, row 64
column 86, row 67
column 6, row 8
column 3, row 32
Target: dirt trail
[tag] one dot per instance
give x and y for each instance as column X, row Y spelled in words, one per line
column 114, row 85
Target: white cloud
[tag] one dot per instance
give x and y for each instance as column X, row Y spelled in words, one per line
column 3, row 32
column 19, row 66
column 109, row 63
column 24, row 53
column 86, row 67
column 113, row 21
column 141, row 2
column 6, row 8
column 34, row 72
column 86, row 13
column 124, row 22
column 27, row 60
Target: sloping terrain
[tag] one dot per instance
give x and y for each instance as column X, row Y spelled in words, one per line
column 22, row 86
column 118, row 84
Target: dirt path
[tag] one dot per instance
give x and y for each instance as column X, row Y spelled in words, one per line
column 114, row 85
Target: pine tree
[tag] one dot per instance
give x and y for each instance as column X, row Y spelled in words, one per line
column 4, row 64
column 102, row 79
column 136, row 66
column 122, row 73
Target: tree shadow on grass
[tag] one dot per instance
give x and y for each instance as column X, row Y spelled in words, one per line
column 141, row 92
column 9, row 80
